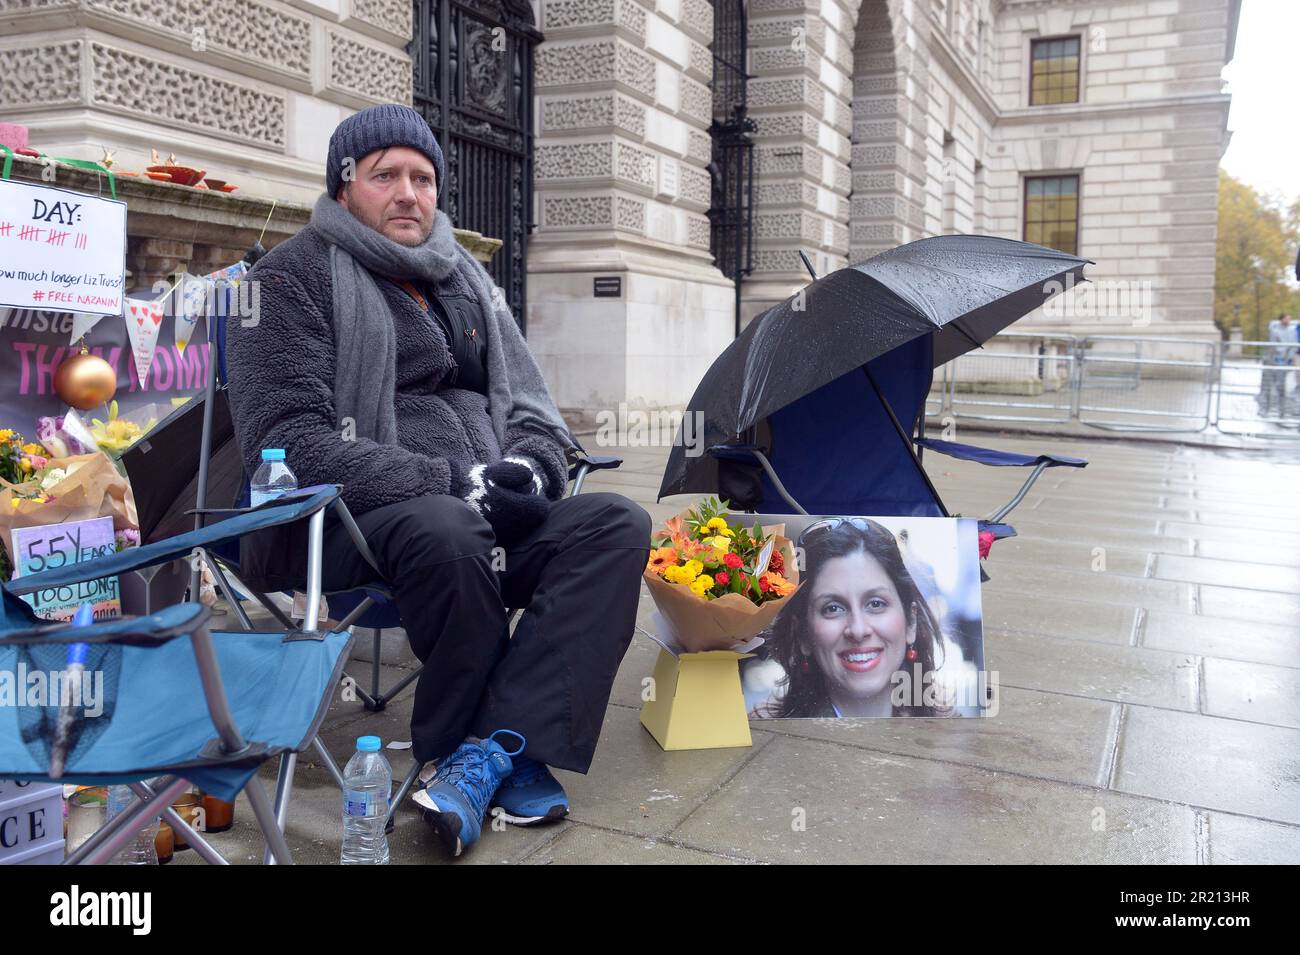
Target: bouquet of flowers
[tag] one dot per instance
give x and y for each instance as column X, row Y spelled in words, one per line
column 718, row 584
column 37, row 489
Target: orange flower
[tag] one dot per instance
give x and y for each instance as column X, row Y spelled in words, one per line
column 779, row 584
column 675, row 527
column 660, row 559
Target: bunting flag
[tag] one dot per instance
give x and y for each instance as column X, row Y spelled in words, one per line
column 194, row 299
column 81, row 325
column 143, row 319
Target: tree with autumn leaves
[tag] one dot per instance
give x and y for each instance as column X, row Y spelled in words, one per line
column 1258, row 238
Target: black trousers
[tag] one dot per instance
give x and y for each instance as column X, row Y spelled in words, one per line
column 578, row 576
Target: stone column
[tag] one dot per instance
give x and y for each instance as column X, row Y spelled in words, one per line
column 622, row 190
column 800, row 58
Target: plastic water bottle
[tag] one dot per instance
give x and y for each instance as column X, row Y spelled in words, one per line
column 273, row 478
column 367, row 787
column 141, row 850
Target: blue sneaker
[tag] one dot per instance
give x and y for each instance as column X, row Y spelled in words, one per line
column 456, row 799
column 530, row 796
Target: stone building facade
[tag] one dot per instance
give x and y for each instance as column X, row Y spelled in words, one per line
column 878, row 122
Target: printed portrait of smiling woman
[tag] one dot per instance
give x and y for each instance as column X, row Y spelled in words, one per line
column 858, row 619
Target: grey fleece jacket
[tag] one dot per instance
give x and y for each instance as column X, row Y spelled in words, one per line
column 281, row 372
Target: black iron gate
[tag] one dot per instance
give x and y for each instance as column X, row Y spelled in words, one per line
column 472, row 66
column 731, row 211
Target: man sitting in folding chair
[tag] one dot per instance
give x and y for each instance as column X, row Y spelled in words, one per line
column 383, row 358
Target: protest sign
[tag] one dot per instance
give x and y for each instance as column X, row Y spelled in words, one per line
column 50, row 546
column 61, row 249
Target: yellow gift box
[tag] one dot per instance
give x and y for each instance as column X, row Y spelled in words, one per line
column 696, row 700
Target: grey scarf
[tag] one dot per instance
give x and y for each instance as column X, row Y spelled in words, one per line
column 365, row 342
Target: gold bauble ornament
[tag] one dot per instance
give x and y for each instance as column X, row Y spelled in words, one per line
column 85, row 381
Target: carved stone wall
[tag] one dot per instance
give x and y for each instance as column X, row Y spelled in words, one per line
column 245, row 28
column 367, row 70
column 391, row 16
column 163, row 91
column 46, row 75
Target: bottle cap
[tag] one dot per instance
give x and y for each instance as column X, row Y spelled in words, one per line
column 273, row 454
column 368, row 744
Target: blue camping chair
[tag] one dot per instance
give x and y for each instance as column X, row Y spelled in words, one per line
column 180, row 702
column 843, row 449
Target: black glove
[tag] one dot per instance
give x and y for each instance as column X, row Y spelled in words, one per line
column 518, row 473
column 504, row 494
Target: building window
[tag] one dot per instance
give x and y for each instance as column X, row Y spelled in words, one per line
column 1052, row 212
column 1054, row 71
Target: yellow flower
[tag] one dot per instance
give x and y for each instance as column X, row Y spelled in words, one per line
column 694, row 568
column 720, row 525
column 720, row 544
column 25, row 464
column 701, row 585
column 679, row 575
column 6, row 434
column 32, row 448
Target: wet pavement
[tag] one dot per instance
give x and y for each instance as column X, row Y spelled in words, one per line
column 1145, row 626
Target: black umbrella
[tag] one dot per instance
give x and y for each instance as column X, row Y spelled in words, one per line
column 960, row 289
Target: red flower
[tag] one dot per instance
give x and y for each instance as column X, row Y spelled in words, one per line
column 764, row 585
column 986, row 543
column 732, row 560
column 777, row 564
column 722, row 578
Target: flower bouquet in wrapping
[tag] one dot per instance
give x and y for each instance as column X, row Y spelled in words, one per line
column 718, row 583
column 38, row 490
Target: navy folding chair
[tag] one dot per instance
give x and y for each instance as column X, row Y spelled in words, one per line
column 843, row 449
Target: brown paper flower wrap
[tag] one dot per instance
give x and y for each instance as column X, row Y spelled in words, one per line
column 92, row 488
column 721, row 622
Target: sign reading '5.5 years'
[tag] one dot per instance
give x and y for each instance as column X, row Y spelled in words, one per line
column 61, row 250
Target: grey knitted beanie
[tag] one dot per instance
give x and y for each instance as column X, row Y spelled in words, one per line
column 379, row 127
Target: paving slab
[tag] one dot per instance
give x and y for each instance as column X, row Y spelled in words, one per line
column 1274, row 644
column 1247, row 768
column 1241, row 840
column 1048, row 735
column 1099, row 671
column 1228, row 573
column 1046, row 615
column 1234, row 603
column 810, row 801
column 635, row 787
column 1250, row 691
column 587, row 845
column 1096, row 587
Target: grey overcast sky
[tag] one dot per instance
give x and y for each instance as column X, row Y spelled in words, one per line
column 1264, row 80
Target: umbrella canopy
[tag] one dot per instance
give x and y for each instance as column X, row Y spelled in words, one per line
column 897, row 316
